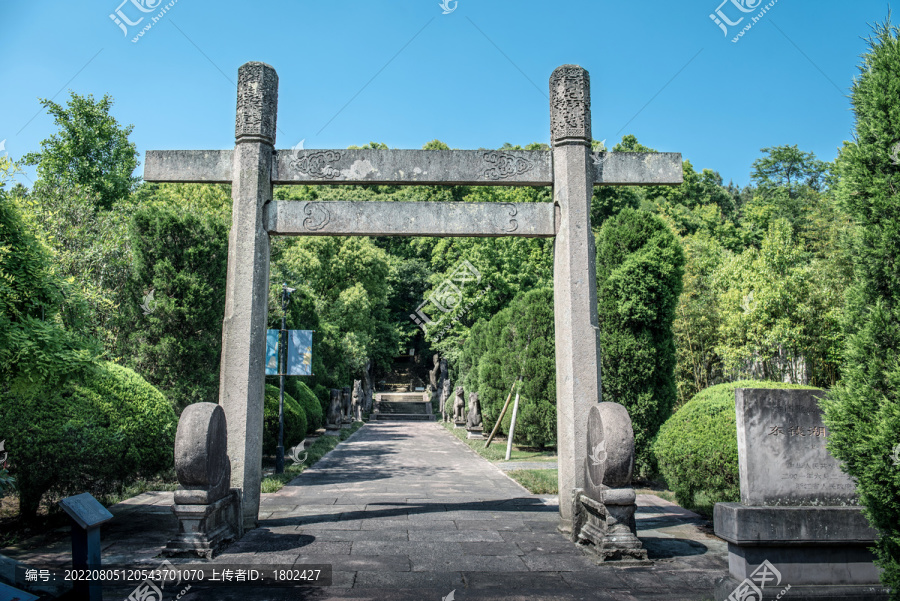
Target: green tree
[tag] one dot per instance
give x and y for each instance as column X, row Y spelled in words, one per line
column 177, row 299
column 863, row 411
column 698, row 318
column 779, row 312
column 91, row 151
column 43, row 338
column 640, row 264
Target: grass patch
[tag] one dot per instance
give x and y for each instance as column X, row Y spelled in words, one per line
column 662, row 493
column 538, row 482
column 318, row 449
column 497, row 450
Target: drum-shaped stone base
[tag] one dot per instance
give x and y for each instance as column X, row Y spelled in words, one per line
column 205, row 529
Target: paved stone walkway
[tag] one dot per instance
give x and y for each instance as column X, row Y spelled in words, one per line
column 404, row 510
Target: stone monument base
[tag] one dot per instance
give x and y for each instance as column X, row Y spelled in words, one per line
column 475, row 433
column 607, row 528
column 205, row 529
column 821, row 552
column 459, row 424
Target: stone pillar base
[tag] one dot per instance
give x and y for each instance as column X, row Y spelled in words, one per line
column 475, row 433
column 608, row 529
column 459, row 424
column 204, row 529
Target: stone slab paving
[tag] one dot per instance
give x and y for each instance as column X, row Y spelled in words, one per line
column 404, row 510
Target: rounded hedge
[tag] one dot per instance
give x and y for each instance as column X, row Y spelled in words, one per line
column 696, row 448
column 294, row 421
column 305, row 397
column 92, row 434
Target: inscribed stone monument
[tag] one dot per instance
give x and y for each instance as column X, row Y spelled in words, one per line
column 799, row 510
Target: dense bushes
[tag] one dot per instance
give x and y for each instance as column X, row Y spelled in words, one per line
column 863, row 410
column 517, row 341
column 93, row 434
column 640, row 264
column 294, row 421
column 696, row 448
column 181, row 256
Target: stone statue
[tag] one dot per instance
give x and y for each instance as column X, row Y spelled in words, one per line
column 333, row 419
column 604, row 509
column 345, row 405
column 367, row 387
column 473, row 419
column 356, row 401
column 445, row 397
column 459, row 406
column 434, row 373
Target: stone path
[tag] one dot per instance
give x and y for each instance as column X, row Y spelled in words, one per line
column 404, row 510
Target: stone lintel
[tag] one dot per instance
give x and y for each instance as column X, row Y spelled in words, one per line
column 637, row 168
column 375, row 218
column 414, row 167
column 189, row 166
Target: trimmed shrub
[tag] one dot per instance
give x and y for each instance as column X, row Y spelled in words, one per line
column 696, row 448
column 517, row 341
column 306, row 398
column 294, row 421
column 640, row 264
column 93, row 434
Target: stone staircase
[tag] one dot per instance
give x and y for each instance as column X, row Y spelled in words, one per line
column 402, row 406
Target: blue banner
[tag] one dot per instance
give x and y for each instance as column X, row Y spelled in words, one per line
column 271, row 352
column 299, row 362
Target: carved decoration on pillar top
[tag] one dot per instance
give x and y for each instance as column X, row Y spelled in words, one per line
column 257, row 103
column 570, row 106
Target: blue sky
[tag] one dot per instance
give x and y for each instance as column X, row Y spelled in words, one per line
column 403, row 73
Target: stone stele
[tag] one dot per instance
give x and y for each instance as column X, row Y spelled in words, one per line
column 782, row 457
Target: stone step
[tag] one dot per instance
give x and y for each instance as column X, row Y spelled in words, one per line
column 401, row 397
column 405, row 408
column 410, row 417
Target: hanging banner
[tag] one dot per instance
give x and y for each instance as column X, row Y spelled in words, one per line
column 299, row 362
column 271, row 352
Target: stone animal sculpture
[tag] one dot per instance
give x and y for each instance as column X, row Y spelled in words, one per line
column 459, row 406
column 473, row 419
column 334, row 409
